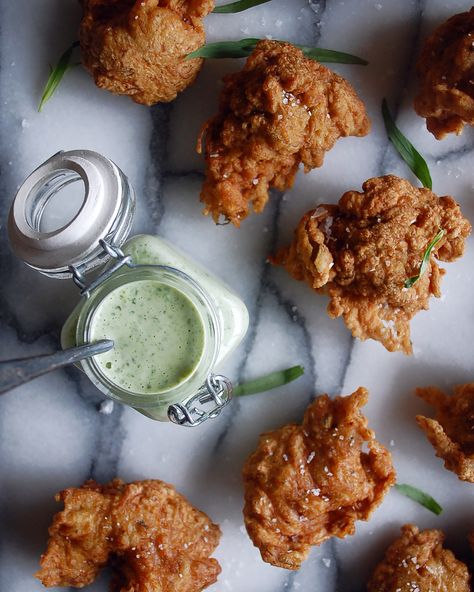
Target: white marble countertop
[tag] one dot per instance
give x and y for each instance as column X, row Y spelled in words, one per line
column 52, row 434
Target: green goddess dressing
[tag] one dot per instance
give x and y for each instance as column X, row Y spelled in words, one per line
column 157, row 332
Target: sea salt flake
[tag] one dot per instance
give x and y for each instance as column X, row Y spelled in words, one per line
column 326, row 561
column 106, row 407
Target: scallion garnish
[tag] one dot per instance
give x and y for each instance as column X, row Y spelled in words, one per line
column 329, row 56
column 238, row 6
column 225, row 49
column 424, row 262
column 405, row 148
column 420, row 497
column 57, row 74
column 244, row 47
column 268, row 382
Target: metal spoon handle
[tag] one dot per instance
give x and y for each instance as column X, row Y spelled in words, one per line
column 16, row 372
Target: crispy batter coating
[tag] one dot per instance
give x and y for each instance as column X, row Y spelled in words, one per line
column 138, row 47
column 452, row 432
column 306, row 483
column 156, row 540
column 281, row 110
column 446, row 72
column 362, row 251
column 417, row 562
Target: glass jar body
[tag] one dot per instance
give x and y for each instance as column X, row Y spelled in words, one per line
column 228, row 311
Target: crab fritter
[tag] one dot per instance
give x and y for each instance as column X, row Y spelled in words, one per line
column 363, row 250
column 282, row 110
column 418, row 562
column 307, row 483
column 446, row 73
column 452, row 432
column 152, row 536
column 139, row 47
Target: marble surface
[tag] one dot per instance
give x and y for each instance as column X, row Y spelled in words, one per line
column 52, row 434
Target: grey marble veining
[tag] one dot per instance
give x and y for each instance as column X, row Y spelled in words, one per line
column 52, row 433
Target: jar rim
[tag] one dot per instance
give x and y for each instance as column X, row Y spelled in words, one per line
column 200, row 300
column 106, row 213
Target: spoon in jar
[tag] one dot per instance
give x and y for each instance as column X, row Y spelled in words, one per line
column 13, row 373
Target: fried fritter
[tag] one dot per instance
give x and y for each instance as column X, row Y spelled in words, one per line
column 452, row 432
column 138, row 47
column 155, row 539
column 417, row 562
column 361, row 252
column 281, row 110
column 306, row 483
column 446, row 72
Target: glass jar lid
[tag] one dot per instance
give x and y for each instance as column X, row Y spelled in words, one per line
column 103, row 211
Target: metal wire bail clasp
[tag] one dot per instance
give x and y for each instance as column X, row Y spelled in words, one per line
column 112, row 251
column 217, row 391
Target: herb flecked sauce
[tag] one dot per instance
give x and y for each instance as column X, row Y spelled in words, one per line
column 158, row 335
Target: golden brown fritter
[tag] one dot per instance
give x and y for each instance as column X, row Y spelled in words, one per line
column 362, row 251
column 306, row 483
column 446, row 72
column 155, row 539
column 281, row 110
column 138, row 47
column 452, row 432
column 417, row 562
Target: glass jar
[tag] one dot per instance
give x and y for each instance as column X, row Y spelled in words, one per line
column 166, row 376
